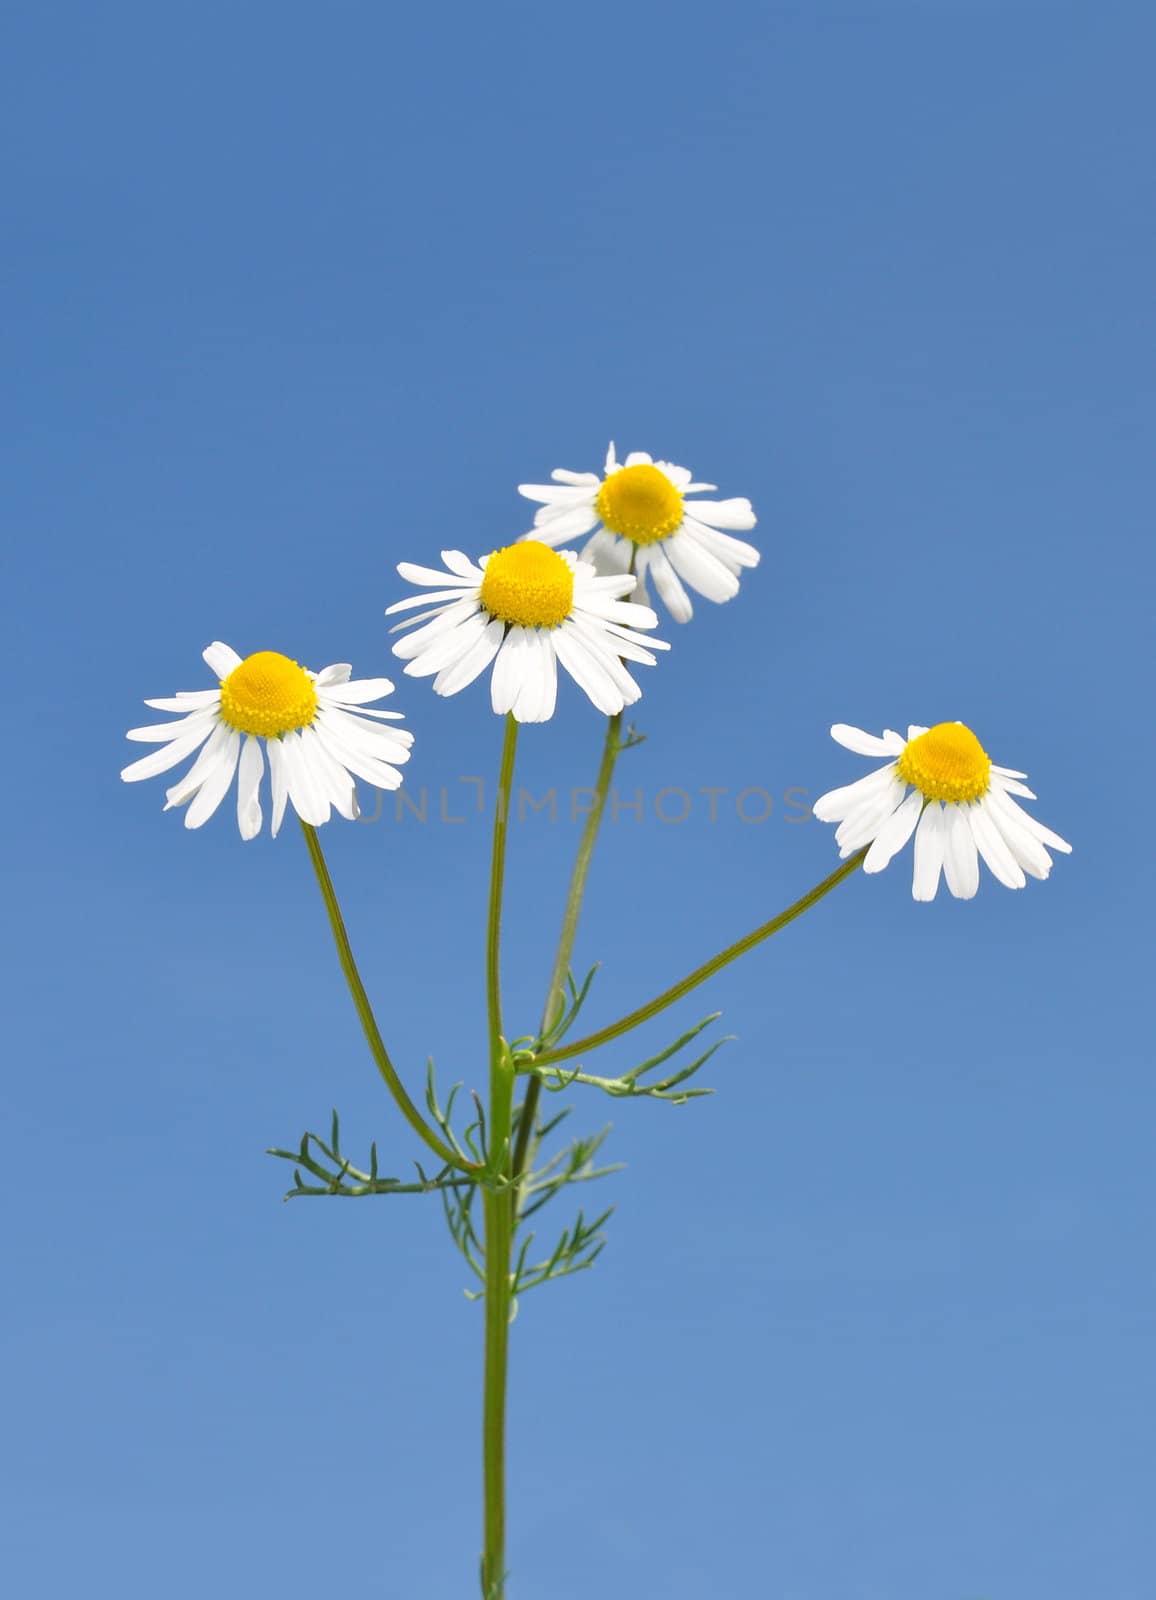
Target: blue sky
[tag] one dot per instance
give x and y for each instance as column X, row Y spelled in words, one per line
column 297, row 292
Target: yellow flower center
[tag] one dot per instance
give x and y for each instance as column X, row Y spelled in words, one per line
column 529, row 585
column 946, row 763
column 268, row 694
column 640, row 503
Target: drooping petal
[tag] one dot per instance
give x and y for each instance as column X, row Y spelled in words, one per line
column 929, row 846
column 472, row 662
column 960, row 859
column 249, row 772
column 185, row 788
column 216, row 785
column 894, row 833
column 703, row 571
column 837, row 804
column 588, row 673
column 670, row 591
column 990, row 843
column 278, row 785
column 306, row 791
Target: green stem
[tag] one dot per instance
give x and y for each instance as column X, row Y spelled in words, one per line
column 496, row 1209
column 556, row 993
column 365, row 1011
column 498, row 1225
column 668, row 997
column 497, row 880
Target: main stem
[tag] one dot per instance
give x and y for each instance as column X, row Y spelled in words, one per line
column 496, row 1209
column 365, row 1011
column 556, row 993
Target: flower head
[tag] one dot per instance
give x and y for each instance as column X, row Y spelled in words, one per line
column 526, row 608
column 315, row 726
column 644, row 522
column 941, row 785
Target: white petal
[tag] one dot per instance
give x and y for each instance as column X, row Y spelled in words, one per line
column 588, row 673
column 278, row 784
column 473, row 662
column 418, row 617
column 354, row 758
column 960, row 861
column 185, row 788
column 250, row 769
column 216, row 785
column 670, row 591
column 556, row 525
column 360, row 691
column 865, row 744
column 929, row 843
column 164, row 732
column 377, row 743
column 329, row 773
column 724, row 514
column 1025, row 848
column 437, row 598
column 894, row 833
column 558, row 494
column 992, row 848
column 416, row 643
column 697, row 567
column 461, row 565
column 839, row 803
column 329, row 677
column 446, row 649
column 306, row 790
column 429, row 577
column 735, row 554
column 609, row 555
column 860, row 826
column 506, row 679
column 169, row 755
column 1011, row 786
column 187, row 700
column 539, row 691
column 1045, row 835
column 626, row 612
column 604, row 648
column 221, row 659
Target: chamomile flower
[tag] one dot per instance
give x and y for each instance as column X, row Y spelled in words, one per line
column 526, row 608
column 940, row 784
column 641, row 514
column 314, row 726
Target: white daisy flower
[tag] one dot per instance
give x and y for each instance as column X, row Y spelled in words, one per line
column 941, row 785
column 314, row 725
column 525, row 608
column 642, row 516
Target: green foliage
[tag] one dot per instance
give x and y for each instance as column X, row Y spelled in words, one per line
column 321, row 1167
column 337, row 1175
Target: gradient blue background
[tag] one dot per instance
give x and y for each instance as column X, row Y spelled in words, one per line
column 295, row 292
